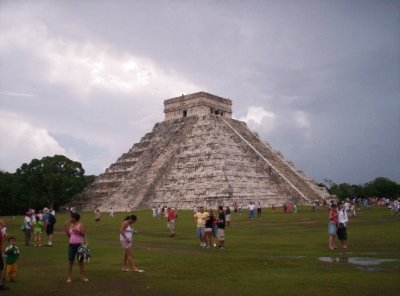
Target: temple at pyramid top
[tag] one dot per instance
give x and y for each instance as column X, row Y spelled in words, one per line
column 197, row 104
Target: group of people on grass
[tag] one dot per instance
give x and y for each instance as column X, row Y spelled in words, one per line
column 338, row 225
column 210, row 226
column 35, row 223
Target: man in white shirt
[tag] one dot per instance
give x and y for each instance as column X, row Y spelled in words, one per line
column 343, row 225
column 28, row 228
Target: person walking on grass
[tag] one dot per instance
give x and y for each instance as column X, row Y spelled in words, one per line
column 2, row 237
column 171, row 216
column 125, row 238
column 97, row 216
column 259, row 209
column 228, row 216
column 342, row 225
column 49, row 221
column 200, row 217
column 76, row 233
column 28, row 227
column 37, row 231
column 332, row 226
column 221, row 228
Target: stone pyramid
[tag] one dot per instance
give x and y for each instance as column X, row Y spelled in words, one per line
column 198, row 155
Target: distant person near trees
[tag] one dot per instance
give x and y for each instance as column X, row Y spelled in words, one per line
column 49, row 221
column 27, row 227
column 38, row 226
column 332, row 226
column 76, row 233
column 126, row 237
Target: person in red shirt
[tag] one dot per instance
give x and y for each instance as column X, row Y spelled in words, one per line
column 171, row 216
column 2, row 287
column 332, row 226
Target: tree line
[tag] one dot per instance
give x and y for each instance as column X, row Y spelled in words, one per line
column 48, row 182
column 380, row 187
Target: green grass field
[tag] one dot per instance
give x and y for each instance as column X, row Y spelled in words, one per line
column 273, row 255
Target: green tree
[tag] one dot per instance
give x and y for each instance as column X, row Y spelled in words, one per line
column 51, row 181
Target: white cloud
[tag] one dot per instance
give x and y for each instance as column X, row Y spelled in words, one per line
column 258, row 114
column 23, row 142
column 301, row 119
column 85, row 67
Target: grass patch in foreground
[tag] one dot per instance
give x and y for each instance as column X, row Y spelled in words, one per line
column 273, row 255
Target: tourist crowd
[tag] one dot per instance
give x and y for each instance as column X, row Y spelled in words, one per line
column 210, row 231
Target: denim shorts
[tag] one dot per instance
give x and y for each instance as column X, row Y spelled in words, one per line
column 200, row 232
column 331, row 228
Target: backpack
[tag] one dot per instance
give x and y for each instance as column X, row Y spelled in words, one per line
column 52, row 219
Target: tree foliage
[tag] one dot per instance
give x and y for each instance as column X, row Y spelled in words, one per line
column 380, row 187
column 50, row 181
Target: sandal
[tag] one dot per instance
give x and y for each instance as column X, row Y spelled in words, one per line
column 138, row 270
column 84, row 280
column 124, row 269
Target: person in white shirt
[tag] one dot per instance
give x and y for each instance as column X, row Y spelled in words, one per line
column 28, row 228
column 342, row 225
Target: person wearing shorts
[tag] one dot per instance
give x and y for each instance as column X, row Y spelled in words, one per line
column 171, row 216
column 125, row 238
column 221, row 228
column 209, row 228
column 228, row 216
column 76, row 233
column 97, row 216
column 200, row 217
column 333, row 220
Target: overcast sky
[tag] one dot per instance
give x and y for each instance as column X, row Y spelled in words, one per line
column 318, row 80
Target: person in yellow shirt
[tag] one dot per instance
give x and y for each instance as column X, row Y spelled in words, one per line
column 200, row 218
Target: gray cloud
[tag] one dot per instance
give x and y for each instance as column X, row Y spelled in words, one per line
column 318, row 80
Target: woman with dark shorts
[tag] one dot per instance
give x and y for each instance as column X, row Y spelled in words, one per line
column 76, row 233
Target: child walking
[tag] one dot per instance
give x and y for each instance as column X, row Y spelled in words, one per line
column 12, row 253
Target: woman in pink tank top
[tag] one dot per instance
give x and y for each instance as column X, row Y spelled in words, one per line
column 76, row 233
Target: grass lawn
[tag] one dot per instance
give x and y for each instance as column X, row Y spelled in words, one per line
column 273, row 255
